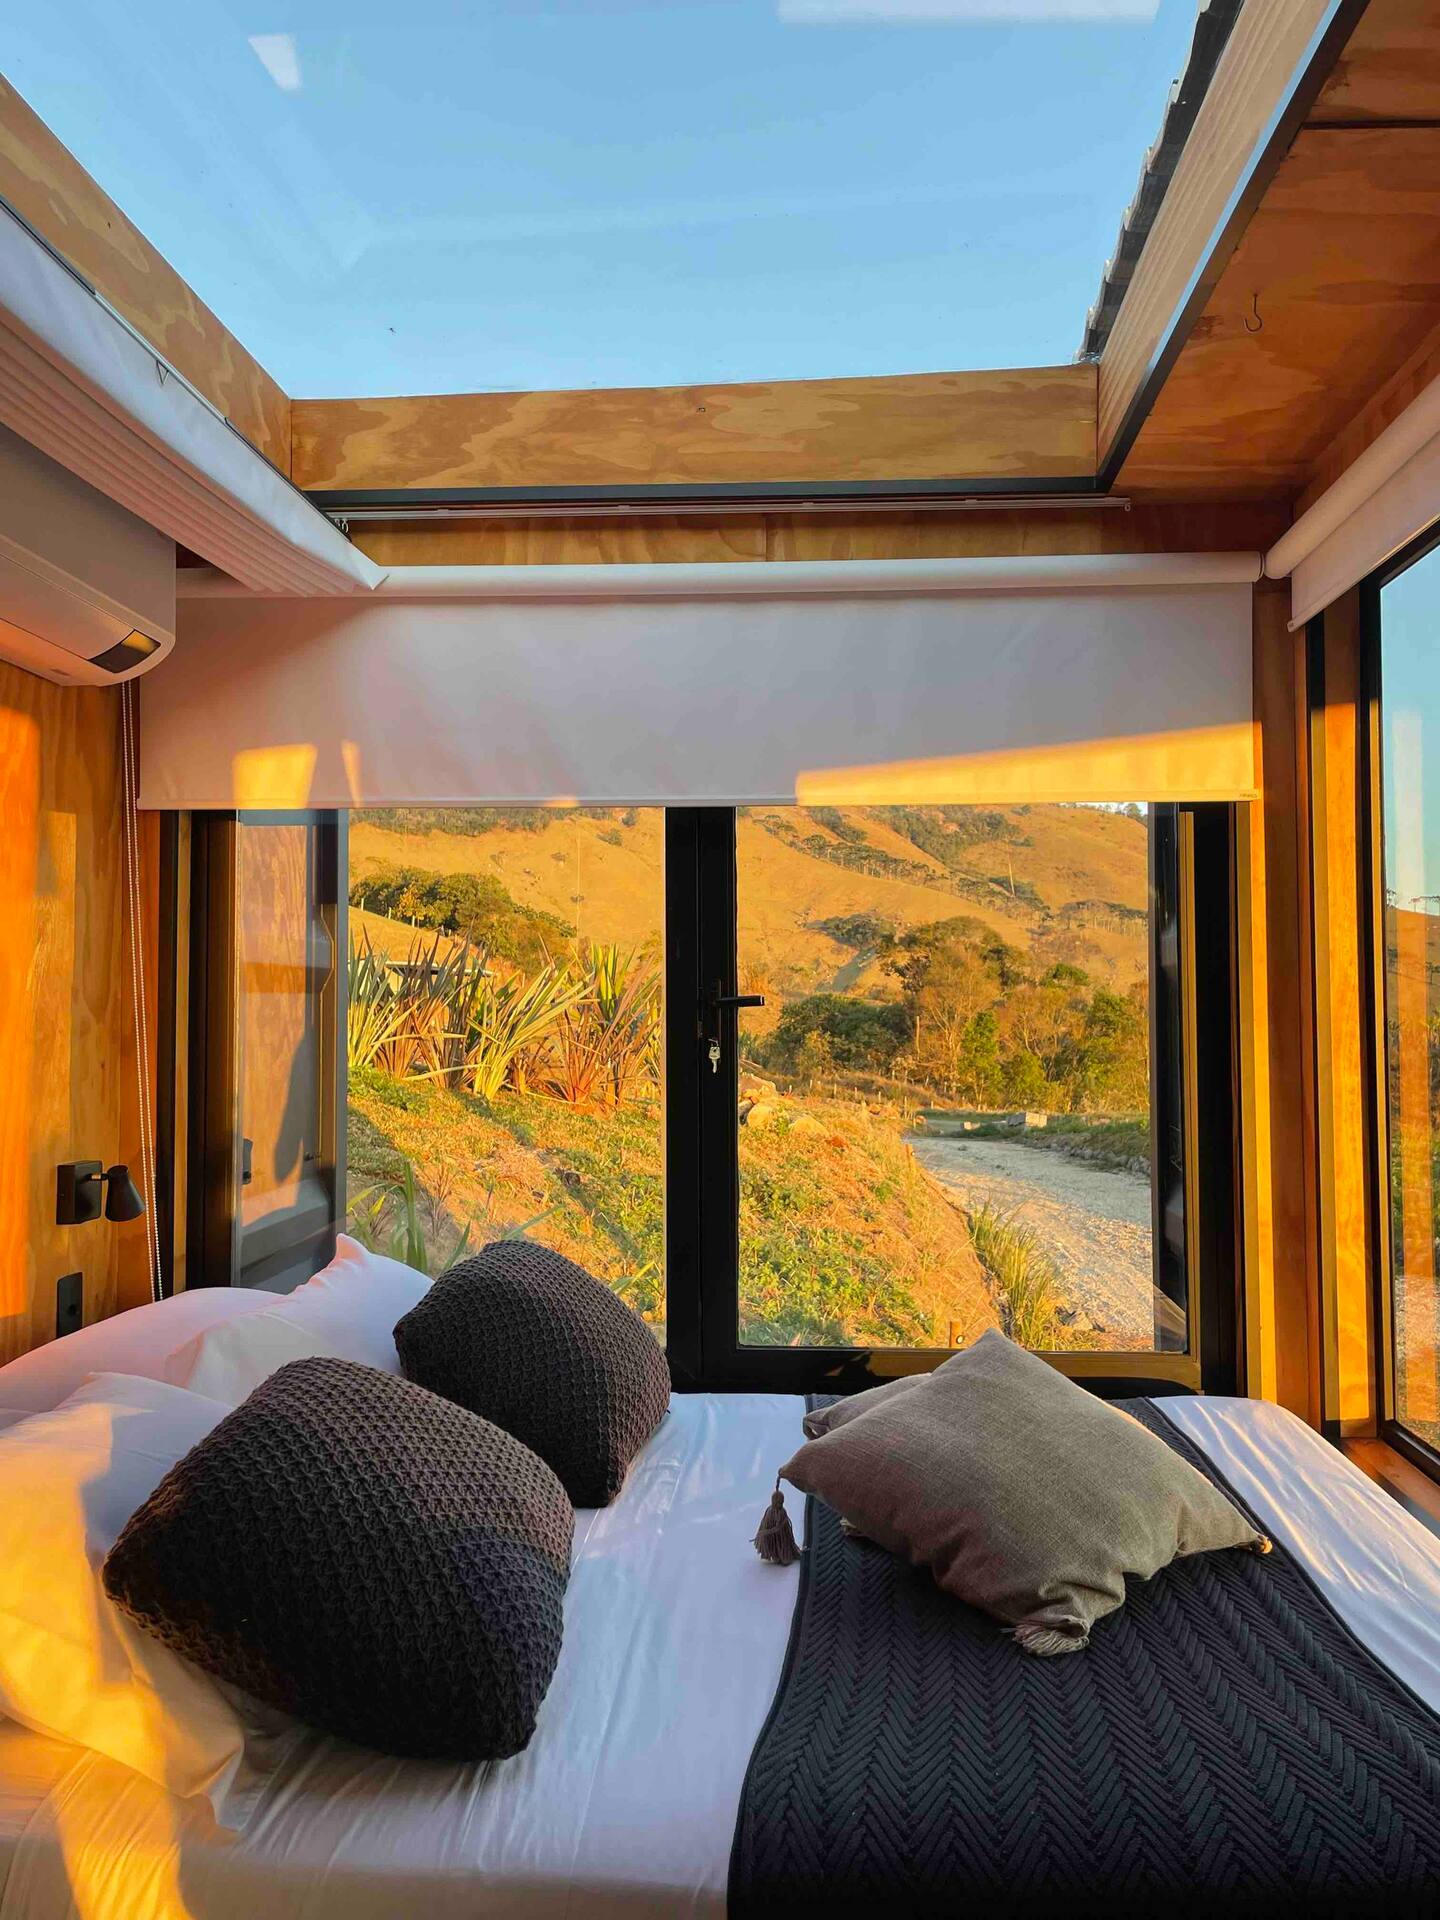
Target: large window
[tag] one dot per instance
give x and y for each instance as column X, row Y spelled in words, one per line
column 826, row 1081
column 1409, row 626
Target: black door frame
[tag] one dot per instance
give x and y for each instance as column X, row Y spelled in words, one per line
column 1194, row 1069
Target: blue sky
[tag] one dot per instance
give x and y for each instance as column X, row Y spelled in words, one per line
column 389, row 198
column 1410, row 644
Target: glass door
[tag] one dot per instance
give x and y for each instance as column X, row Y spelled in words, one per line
column 939, row 1060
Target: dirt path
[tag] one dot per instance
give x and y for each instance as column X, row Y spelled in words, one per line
column 1094, row 1224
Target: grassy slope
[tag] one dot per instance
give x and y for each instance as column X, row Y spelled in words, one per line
column 844, row 1238
column 606, row 879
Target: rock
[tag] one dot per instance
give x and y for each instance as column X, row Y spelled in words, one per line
column 762, row 1114
column 807, row 1125
column 1076, row 1319
column 752, row 1087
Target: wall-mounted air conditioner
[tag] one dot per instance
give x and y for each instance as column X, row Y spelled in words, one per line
column 87, row 590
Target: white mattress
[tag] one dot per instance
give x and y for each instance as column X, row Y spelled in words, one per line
column 625, row 1802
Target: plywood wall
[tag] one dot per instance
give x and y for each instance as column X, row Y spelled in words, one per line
column 67, row 1063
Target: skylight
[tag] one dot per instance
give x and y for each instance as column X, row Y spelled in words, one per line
column 524, row 194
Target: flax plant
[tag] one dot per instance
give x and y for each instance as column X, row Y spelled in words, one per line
column 609, row 1039
column 509, row 1021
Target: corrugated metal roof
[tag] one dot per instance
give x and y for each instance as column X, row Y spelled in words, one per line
column 1212, row 31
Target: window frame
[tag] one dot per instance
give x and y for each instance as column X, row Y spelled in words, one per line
column 1194, row 958
column 1193, row 1001
column 214, row 1254
column 1375, row 998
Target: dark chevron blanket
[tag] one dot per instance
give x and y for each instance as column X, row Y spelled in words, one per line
column 1225, row 1747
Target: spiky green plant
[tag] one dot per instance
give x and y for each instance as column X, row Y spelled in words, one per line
column 1026, row 1282
column 609, row 1039
column 387, row 1218
column 508, row 1020
column 374, row 1012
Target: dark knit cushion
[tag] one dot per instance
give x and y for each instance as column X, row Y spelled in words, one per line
column 533, row 1342
column 364, row 1555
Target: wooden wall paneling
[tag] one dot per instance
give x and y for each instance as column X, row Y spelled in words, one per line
column 1198, row 527
column 1033, row 423
column 54, row 194
column 64, row 995
column 1277, row 1160
column 559, row 542
column 1254, row 73
column 1341, row 264
column 1343, row 1131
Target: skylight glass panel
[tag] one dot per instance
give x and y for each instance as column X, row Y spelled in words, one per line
column 572, row 193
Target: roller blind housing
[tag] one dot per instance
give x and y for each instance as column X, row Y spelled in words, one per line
column 1088, row 679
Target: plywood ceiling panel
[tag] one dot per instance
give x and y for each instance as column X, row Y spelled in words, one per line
column 55, row 196
column 1335, row 283
column 1391, row 68
column 1035, row 423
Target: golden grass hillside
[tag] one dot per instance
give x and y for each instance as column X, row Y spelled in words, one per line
column 603, row 875
column 845, row 1240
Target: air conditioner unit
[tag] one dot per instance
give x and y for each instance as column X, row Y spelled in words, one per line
column 87, row 590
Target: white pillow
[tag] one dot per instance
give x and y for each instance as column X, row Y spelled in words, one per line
column 137, row 1341
column 347, row 1311
column 71, row 1665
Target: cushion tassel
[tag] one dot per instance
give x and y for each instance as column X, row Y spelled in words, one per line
column 775, row 1542
column 1047, row 1642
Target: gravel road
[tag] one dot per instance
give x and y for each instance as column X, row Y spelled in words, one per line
column 1094, row 1224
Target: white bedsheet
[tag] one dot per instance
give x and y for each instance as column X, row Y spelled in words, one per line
column 625, row 1802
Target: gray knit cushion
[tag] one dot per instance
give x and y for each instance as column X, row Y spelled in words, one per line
column 523, row 1336
column 364, row 1555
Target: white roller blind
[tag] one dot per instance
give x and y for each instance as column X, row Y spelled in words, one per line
column 1388, row 496
column 1088, row 679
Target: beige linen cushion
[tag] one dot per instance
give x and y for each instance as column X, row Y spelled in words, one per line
column 826, row 1419
column 1023, row 1494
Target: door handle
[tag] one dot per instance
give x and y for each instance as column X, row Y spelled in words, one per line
column 718, row 1000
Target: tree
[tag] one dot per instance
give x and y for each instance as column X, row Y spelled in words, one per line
column 857, row 1035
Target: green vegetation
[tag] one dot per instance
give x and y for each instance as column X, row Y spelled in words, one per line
column 585, row 1031
column 1026, row 1282
column 829, row 1030
column 843, row 1238
column 470, row 821
column 865, row 932
column 475, row 907
column 976, row 1022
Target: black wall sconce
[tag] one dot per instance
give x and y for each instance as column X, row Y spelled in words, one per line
column 78, row 1195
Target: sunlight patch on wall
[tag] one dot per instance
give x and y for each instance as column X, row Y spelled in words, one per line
column 276, row 776
column 1198, row 763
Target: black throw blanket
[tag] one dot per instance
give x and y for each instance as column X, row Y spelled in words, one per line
column 1224, row 1747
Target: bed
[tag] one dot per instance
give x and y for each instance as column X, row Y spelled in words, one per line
column 625, row 1803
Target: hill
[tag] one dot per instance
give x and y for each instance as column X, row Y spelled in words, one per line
column 820, row 888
